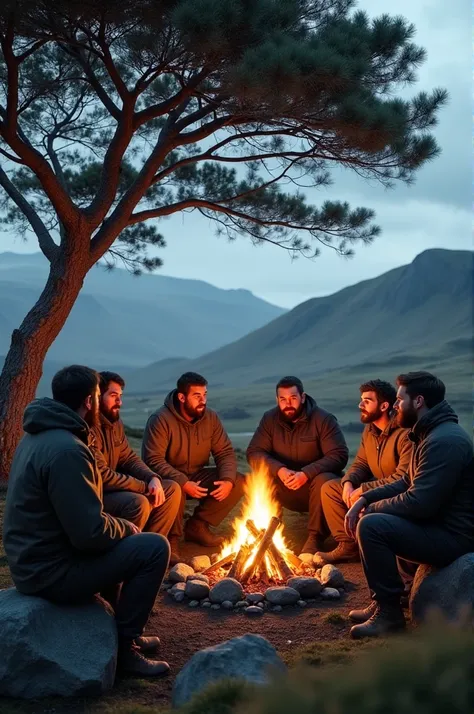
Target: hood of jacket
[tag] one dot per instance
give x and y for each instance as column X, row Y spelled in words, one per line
column 170, row 403
column 439, row 414
column 46, row 414
column 310, row 406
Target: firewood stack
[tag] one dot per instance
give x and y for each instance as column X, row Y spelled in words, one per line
column 259, row 559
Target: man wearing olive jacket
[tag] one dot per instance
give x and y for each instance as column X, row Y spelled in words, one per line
column 383, row 456
column 177, row 444
column 302, row 446
column 427, row 516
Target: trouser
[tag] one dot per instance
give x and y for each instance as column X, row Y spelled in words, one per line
column 138, row 509
column 306, row 499
column 383, row 538
column 208, row 509
column 138, row 562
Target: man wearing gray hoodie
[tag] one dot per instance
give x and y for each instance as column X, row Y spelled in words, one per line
column 59, row 543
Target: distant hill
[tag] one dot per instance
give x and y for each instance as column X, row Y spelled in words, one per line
column 130, row 320
column 419, row 312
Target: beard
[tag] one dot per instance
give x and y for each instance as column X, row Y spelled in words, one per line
column 193, row 412
column 369, row 417
column 407, row 418
column 112, row 414
column 291, row 414
column 92, row 417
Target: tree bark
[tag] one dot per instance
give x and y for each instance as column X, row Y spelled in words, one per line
column 30, row 342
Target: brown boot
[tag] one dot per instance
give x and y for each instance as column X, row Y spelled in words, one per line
column 363, row 615
column 312, row 543
column 147, row 644
column 386, row 618
column 345, row 552
column 175, row 557
column 132, row 662
column 199, row 532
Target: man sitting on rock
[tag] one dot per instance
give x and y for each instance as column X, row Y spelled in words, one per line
column 302, row 447
column 60, row 544
column 177, row 444
column 131, row 490
column 383, row 456
column 427, row 516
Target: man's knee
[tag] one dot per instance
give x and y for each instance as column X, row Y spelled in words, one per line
column 151, row 547
column 332, row 489
column 372, row 523
column 173, row 491
column 137, row 509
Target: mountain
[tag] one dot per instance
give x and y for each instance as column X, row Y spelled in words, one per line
column 421, row 311
column 122, row 319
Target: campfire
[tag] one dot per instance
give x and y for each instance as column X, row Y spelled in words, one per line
column 257, row 551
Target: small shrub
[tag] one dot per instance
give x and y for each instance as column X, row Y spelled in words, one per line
column 335, row 618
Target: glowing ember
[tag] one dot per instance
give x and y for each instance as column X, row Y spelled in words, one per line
column 259, row 506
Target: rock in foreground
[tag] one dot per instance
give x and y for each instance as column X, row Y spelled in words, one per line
column 282, row 596
column 226, row 589
column 449, row 590
column 307, row 587
column 50, row 650
column 251, row 658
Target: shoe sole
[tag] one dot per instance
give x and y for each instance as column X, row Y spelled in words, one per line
column 356, row 635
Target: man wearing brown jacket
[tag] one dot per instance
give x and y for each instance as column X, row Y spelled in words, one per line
column 302, row 446
column 383, row 456
column 131, row 490
column 177, row 444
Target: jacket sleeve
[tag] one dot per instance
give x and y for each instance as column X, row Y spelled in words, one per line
column 154, row 447
column 440, row 464
column 405, row 448
column 334, row 448
column 131, row 464
column 75, row 494
column 359, row 472
column 112, row 480
column 223, row 452
column 260, row 448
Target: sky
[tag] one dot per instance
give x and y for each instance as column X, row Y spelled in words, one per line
column 434, row 213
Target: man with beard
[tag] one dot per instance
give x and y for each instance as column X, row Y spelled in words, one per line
column 60, row 544
column 178, row 441
column 383, row 456
column 427, row 516
column 303, row 447
column 131, row 490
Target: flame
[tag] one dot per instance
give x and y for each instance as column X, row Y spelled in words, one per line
column 259, row 505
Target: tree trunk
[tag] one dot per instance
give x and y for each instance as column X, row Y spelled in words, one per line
column 30, row 342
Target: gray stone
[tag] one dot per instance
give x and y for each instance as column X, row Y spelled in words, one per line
column 254, row 598
column 228, row 605
column 331, row 577
column 449, row 590
column 261, row 605
column 241, row 603
column 307, row 587
column 50, row 650
column 196, row 589
column 215, row 606
column 330, row 594
column 179, row 596
column 251, row 658
column 179, row 573
column 311, row 601
column 200, row 562
column 282, row 596
column 198, row 576
column 206, row 603
column 302, row 603
column 277, row 608
column 193, row 603
column 177, row 588
column 254, row 610
column 226, row 589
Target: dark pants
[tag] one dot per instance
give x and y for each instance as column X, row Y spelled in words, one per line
column 139, row 562
column 137, row 508
column 306, row 499
column 208, row 509
column 383, row 538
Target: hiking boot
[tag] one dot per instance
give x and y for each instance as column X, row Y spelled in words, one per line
column 147, row 644
column 199, row 532
column 363, row 615
column 132, row 662
column 344, row 552
column 386, row 618
column 175, row 557
column 312, row 544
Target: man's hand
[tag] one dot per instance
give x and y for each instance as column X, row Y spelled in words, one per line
column 296, row 480
column 222, row 491
column 194, row 490
column 355, row 495
column 155, row 490
column 347, row 490
column 352, row 517
column 284, row 474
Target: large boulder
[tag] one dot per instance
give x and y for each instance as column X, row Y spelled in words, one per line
column 449, row 590
column 251, row 658
column 51, row 650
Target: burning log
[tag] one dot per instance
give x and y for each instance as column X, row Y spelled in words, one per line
column 278, row 561
column 262, row 549
column 219, row 564
column 239, row 562
column 296, row 563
